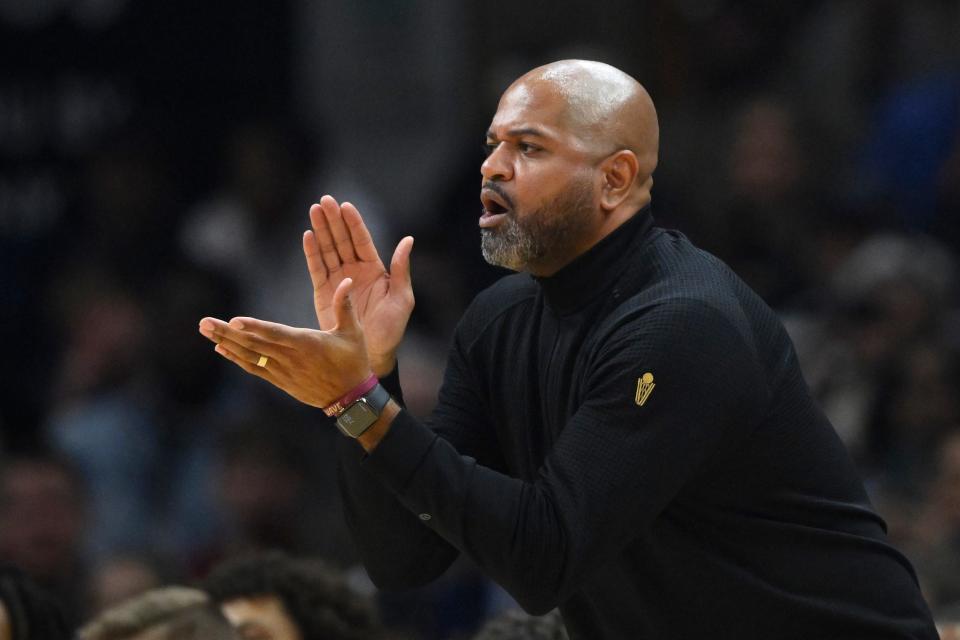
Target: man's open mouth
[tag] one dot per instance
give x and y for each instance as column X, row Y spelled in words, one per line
column 493, row 203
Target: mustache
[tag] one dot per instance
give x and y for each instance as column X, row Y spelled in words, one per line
column 497, row 189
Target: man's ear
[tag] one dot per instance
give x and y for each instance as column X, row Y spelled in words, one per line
column 619, row 175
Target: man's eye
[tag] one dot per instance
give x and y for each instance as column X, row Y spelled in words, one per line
column 489, row 147
column 526, row 148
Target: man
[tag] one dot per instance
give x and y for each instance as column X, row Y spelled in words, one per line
column 625, row 435
column 270, row 596
column 43, row 523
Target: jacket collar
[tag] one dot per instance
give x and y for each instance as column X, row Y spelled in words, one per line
column 596, row 271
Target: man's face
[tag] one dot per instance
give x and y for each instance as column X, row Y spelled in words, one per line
column 539, row 184
column 41, row 518
column 261, row 618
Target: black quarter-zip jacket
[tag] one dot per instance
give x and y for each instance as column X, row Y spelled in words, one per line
column 632, row 440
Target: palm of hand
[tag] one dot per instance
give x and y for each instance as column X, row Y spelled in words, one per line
column 380, row 311
column 340, row 247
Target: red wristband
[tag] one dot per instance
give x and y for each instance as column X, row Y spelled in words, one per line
column 351, row 396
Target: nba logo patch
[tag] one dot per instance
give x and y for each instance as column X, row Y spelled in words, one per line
column 645, row 387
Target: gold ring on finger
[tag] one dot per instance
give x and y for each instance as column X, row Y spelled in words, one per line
column 262, row 362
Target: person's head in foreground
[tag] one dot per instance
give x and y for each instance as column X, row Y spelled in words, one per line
column 199, row 622
column 169, row 612
column 572, row 150
column 514, row 624
column 271, row 596
column 27, row 612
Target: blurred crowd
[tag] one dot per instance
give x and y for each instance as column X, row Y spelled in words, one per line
column 157, row 163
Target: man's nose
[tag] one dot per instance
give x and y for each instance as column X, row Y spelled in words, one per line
column 497, row 165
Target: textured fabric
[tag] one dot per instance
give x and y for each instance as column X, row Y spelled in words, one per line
column 632, row 440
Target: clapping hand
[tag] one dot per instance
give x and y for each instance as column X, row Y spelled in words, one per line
column 315, row 367
column 339, row 246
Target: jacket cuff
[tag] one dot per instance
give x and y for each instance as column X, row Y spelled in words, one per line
column 401, row 452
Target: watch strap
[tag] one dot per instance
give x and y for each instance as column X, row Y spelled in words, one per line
column 338, row 407
column 355, row 419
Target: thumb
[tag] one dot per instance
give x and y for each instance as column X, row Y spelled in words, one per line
column 343, row 307
column 400, row 266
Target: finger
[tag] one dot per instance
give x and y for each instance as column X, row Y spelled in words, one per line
column 315, row 265
column 400, row 266
column 341, row 237
column 359, row 234
column 207, row 329
column 318, row 219
column 250, row 356
column 271, row 332
column 343, row 307
column 266, row 343
column 260, row 372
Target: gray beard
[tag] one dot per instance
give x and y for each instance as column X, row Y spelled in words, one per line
column 545, row 233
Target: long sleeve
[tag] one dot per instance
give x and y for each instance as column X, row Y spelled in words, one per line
column 396, row 546
column 632, row 440
column 616, row 465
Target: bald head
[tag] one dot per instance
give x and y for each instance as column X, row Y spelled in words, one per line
column 572, row 149
column 607, row 108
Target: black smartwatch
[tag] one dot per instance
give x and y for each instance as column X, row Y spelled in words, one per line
column 360, row 415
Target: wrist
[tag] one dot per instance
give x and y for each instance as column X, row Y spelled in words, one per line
column 382, row 365
column 370, row 438
column 339, row 405
column 364, row 412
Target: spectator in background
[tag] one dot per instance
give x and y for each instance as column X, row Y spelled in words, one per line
column 99, row 322
column 272, row 596
column 916, row 408
column 42, row 523
column 26, row 611
column 192, row 406
column 99, row 415
column 121, row 577
column 764, row 226
column 514, row 624
column 890, row 295
column 276, row 489
column 174, row 613
column 141, row 420
column 262, row 487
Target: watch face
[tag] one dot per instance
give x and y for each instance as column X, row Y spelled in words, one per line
column 357, row 419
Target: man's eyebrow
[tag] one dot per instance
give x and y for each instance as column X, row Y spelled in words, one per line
column 516, row 133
